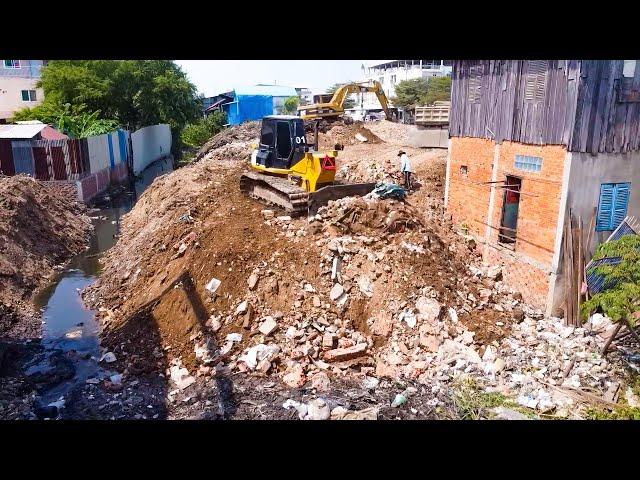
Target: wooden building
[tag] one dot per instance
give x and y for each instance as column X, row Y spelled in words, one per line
column 531, row 141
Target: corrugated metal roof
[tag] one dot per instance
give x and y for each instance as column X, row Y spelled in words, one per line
column 20, row 131
column 269, row 90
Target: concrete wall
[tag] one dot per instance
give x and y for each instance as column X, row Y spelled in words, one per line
column 588, row 172
column 150, row 144
column 11, row 94
column 428, row 138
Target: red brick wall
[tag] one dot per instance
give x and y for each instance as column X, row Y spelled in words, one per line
column 530, row 281
column 540, row 201
column 468, row 202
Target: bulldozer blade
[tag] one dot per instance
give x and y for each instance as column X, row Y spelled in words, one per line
column 334, row 192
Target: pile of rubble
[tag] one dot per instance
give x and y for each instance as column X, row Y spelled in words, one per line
column 232, row 142
column 370, row 290
column 353, row 134
column 42, row 225
column 392, row 133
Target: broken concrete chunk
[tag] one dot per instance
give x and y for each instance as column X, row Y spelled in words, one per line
column 366, row 286
column 294, row 376
column 316, row 301
column 268, row 326
column 321, row 382
column 318, row 409
column 213, row 285
column 430, row 342
column 268, row 214
column 242, row 308
column 341, row 354
column 382, row 325
column 336, row 292
column 429, row 308
column 329, row 340
column 253, row 281
column 234, row 337
column 503, row 413
column 494, row 272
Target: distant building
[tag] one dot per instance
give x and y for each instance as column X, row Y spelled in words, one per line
column 210, row 104
column 255, row 102
column 305, row 95
column 30, row 130
column 18, row 80
column 391, row 72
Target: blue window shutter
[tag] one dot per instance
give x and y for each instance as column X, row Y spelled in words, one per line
column 605, row 207
column 621, row 200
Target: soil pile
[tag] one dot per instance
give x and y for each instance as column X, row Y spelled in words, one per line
column 347, row 135
column 391, row 132
column 236, row 139
column 41, row 226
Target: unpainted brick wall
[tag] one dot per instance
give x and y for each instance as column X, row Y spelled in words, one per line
column 539, row 202
column 532, row 282
column 468, row 201
column 468, row 204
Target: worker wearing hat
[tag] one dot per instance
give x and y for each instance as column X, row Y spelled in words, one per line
column 405, row 168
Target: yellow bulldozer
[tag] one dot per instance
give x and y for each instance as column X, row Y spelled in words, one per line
column 334, row 107
column 289, row 173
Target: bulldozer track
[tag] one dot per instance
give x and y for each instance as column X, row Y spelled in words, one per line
column 275, row 191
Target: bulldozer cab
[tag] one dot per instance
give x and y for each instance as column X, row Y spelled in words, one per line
column 282, row 141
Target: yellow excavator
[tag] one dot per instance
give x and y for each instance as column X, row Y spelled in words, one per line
column 333, row 108
column 291, row 174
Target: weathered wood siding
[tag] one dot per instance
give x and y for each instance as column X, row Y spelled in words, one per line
column 516, row 101
column 608, row 112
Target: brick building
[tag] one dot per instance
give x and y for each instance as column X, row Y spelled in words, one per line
column 530, row 141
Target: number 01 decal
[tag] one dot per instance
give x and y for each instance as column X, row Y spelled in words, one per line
column 300, row 140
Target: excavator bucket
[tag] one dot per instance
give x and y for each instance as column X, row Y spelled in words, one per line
column 334, row 192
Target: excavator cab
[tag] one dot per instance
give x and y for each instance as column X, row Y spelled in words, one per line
column 282, row 142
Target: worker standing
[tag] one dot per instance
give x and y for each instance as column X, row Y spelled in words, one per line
column 405, row 168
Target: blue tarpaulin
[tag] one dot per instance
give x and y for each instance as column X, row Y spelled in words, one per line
column 248, row 107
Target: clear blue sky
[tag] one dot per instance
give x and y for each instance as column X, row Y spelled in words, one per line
column 216, row 76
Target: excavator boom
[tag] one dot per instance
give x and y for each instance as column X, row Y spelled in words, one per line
column 335, row 107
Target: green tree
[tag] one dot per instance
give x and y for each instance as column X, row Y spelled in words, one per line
column 135, row 93
column 348, row 102
column 72, row 120
column 422, row 91
column 622, row 281
column 290, row 106
column 197, row 133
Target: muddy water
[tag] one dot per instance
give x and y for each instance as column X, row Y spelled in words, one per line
column 70, row 332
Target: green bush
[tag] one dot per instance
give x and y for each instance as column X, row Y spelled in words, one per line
column 196, row 134
column 290, row 106
column 622, row 297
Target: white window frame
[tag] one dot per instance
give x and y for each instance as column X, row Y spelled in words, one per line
column 28, row 90
column 12, row 67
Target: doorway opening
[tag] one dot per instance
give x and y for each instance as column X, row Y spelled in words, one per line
column 510, row 206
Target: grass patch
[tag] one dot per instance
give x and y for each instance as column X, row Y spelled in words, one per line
column 624, row 412
column 471, row 403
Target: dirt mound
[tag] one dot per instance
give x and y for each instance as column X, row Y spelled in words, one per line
column 391, row 132
column 242, row 134
column 346, row 135
column 41, row 226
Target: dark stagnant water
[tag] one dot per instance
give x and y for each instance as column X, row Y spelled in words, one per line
column 68, row 325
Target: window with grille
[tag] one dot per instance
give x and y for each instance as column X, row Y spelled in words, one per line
column 12, row 64
column 528, row 163
column 475, row 83
column 612, row 206
column 536, row 80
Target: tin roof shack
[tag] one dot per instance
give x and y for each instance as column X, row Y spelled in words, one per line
column 254, row 103
column 531, row 140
